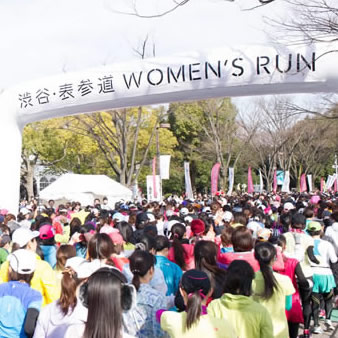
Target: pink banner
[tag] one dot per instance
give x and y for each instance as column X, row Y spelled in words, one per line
column 250, row 184
column 336, row 184
column 274, row 186
column 214, row 178
column 303, row 186
column 154, row 177
column 321, row 184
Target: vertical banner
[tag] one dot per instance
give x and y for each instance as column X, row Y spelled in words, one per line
column 154, row 177
column 322, row 184
column 274, row 186
column 286, row 183
column 153, row 193
column 303, row 186
column 164, row 167
column 336, row 184
column 250, row 184
column 309, row 181
column 188, row 188
column 261, row 184
column 231, row 180
column 330, row 181
column 214, row 178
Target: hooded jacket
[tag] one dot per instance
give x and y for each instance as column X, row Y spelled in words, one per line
column 53, row 323
column 250, row 319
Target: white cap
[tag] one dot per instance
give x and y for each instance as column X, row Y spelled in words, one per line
column 288, row 206
column 82, row 267
column 22, row 236
column 22, row 261
column 227, row 216
column 184, row 211
column 25, row 211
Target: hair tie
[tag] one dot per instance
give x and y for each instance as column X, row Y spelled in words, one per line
column 70, row 271
column 135, row 271
column 175, row 235
column 200, row 291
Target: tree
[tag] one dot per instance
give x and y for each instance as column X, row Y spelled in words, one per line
column 124, row 137
column 311, row 21
column 172, row 6
column 47, row 144
column 208, row 132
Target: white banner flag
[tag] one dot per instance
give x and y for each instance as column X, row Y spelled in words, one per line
column 330, row 181
column 188, row 188
column 286, row 183
column 231, row 180
column 309, row 181
column 164, row 167
column 150, row 188
column 261, row 184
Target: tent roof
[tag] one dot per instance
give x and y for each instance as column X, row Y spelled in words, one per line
column 74, row 184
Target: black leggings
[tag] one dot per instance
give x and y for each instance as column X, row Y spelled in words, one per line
column 316, row 305
column 306, row 304
column 293, row 329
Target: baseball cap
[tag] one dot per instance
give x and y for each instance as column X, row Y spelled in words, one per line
column 314, row 226
column 119, row 217
column 227, row 216
column 288, row 206
column 184, row 211
column 197, row 226
column 46, row 232
column 22, row 236
column 263, row 234
column 25, row 211
column 22, row 261
column 82, row 267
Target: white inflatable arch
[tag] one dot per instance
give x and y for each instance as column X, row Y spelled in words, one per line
column 243, row 71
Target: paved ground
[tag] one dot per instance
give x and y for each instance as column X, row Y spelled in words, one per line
column 331, row 334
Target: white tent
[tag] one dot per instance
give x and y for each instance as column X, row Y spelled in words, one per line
column 84, row 189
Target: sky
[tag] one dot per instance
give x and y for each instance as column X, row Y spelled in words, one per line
column 40, row 38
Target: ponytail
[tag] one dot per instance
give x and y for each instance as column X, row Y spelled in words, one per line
column 69, row 284
column 194, row 308
column 178, row 230
column 265, row 253
column 140, row 264
column 136, row 279
column 179, row 253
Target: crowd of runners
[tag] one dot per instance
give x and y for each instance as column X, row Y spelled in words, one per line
column 246, row 266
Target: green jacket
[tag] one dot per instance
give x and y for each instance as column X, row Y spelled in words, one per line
column 250, row 319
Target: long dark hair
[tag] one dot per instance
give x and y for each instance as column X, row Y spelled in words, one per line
column 265, row 252
column 177, row 232
column 205, row 253
column 239, row 278
column 107, row 297
column 140, row 263
column 100, row 246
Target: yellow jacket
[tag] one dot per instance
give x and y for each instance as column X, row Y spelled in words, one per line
column 43, row 280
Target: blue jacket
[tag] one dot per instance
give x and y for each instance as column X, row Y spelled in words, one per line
column 49, row 254
column 172, row 274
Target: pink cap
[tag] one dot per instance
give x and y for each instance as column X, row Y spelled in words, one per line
column 116, row 238
column 46, row 232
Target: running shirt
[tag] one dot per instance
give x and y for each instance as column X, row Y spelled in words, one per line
column 15, row 300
